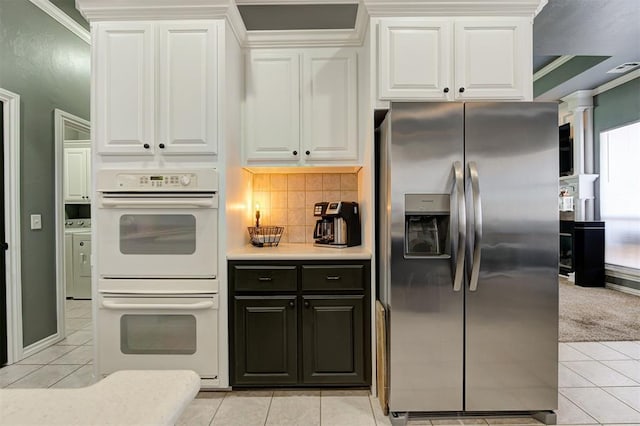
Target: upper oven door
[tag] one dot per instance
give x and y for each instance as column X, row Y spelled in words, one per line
column 157, row 235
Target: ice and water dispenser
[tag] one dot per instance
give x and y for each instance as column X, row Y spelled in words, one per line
column 426, row 225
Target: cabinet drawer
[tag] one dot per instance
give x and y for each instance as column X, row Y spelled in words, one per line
column 265, row 278
column 332, row 277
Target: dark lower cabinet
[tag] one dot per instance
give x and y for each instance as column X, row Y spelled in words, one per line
column 333, row 340
column 265, row 340
column 299, row 323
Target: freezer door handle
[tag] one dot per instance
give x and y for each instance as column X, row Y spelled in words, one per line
column 458, row 187
column 477, row 220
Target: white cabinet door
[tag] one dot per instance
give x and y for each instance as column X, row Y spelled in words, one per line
column 330, row 105
column 188, row 88
column 414, row 59
column 76, row 175
column 493, row 59
column 273, row 106
column 124, row 93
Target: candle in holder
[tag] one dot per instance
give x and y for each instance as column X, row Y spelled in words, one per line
column 257, row 215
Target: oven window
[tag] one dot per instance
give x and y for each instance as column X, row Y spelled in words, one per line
column 158, row 334
column 157, row 234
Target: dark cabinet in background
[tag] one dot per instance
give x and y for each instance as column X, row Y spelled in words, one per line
column 588, row 248
column 582, row 251
column 303, row 323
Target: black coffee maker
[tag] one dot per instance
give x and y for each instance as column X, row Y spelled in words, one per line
column 339, row 226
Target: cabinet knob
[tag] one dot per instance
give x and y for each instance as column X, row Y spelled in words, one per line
column 307, row 152
column 82, row 243
column 446, row 90
column 306, row 304
column 295, row 152
column 461, row 90
column 292, row 303
column 146, row 146
column 161, row 146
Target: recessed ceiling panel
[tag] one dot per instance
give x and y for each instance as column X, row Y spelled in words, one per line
column 279, row 17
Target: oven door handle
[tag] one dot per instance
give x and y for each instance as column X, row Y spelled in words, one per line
column 158, row 306
column 159, row 202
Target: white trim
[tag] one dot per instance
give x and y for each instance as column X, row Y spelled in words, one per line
column 432, row 8
column 552, row 66
column 40, row 345
column 623, row 289
column 61, row 119
column 615, row 83
column 11, row 114
column 64, row 19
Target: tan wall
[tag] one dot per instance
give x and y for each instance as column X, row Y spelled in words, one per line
column 288, row 199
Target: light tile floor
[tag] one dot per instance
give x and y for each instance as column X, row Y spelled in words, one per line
column 599, row 383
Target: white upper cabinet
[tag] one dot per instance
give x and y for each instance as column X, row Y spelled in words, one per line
column 273, row 106
column 330, row 105
column 77, row 174
column 188, row 83
column 124, row 87
column 156, row 87
column 301, row 107
column 455, row 59
column 493, row 59
column 415, row 59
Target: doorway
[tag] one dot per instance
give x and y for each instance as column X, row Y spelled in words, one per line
column 73, row 213
column 3, row 248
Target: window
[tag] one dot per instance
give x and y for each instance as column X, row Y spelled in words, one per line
column 619, row 195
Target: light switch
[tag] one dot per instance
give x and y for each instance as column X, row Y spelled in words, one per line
column 36, row 221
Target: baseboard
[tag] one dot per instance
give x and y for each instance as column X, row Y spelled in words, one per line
column 622, row 279
column 40, row 345
column 623, row 289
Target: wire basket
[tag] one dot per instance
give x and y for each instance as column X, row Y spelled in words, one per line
column 265, row 236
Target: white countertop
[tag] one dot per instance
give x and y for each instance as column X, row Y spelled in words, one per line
column 290, row 251
column 123, row 398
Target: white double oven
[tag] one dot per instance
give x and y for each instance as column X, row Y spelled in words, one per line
column 157, row 266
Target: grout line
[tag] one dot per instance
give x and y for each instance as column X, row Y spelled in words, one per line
column 268, row 409
column 609, row 393
column 580, row 408
column 62, row 378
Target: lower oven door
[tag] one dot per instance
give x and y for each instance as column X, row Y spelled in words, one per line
column 157, row 235
column 158, row 332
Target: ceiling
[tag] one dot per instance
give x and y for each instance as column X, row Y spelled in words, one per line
column 601, row 34
column 590, row 36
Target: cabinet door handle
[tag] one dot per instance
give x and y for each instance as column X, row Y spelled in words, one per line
column 461, row 90
column 295, row 152
column 306, row 304
column 161, row 146
column 81, row 243
column 146, row 146
column 292, row 304
column 307, row 152
column 446, row 90
column 264, row 278
column 333, row 278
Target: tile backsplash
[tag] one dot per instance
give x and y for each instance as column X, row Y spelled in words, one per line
column 288, row 199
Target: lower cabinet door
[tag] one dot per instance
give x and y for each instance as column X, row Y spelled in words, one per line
column 333, row 340
column 265, row 340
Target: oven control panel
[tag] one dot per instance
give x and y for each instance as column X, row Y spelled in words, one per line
column 157, row 181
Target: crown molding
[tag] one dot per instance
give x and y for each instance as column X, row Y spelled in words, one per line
column 64, row 19
column 552, row 66
column 138, row 10
column 615, row 83
column 391, row 8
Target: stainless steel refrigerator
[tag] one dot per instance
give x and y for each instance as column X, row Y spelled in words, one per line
column 468, row 256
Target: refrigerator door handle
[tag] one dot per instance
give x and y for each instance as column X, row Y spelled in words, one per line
column 477, row 219
column 458, row 187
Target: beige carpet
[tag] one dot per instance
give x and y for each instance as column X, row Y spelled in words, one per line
column 589, row 314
